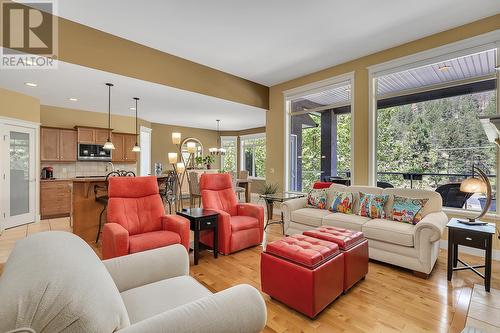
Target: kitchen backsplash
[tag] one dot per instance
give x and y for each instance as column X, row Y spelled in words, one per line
column 72, row 170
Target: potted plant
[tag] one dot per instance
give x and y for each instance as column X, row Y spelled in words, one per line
column 209, row 160
column 198, row 160
column 270, row 188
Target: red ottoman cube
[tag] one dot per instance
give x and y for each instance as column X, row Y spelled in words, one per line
column 354, row 246
column 303, row 272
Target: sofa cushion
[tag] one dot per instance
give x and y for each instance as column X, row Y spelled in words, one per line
column 389, row 231
column 434, row 201
column 309, row 216
column 239, row 223
column 146, row 301
column 347, row 221
column 355, row 189
column 152, row 240
column 372, row 205
column 342, row 203
column 54, row 282
column 407, row 210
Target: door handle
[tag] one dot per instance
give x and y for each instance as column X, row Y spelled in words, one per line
column 468, row 238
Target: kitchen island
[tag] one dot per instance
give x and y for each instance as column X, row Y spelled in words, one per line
column 85, row 209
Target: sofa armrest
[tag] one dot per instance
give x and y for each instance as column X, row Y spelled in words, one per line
column 434, row 223
column 237, row 309
column 146, row 267
column 256, row 211
column 115, row 240
column 290, row 205
column 179, row 225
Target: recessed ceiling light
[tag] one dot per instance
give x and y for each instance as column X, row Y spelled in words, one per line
column 132, row 108
column 444, row 68
column 30, row 84
column 72, row 99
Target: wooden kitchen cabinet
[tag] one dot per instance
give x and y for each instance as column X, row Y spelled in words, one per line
column 123, row 148
column 55, row 198
column 90, row 135
column 57, row 144
column 101, row 136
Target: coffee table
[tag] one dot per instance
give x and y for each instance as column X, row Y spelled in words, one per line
column 270, row 199
column 201, row 219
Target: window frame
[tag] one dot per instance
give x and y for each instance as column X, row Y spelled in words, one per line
column 227, row 138
column 243, row 138
column 440, row 54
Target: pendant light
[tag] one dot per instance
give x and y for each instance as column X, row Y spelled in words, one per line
column 217, row 150
column 136, row 148
column 109, row 145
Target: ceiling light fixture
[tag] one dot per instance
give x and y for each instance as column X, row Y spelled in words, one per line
column 217, row 150
column 30, row 84
column 109, row 145
column 73, row 99
column 444, row 68
column 136, row 148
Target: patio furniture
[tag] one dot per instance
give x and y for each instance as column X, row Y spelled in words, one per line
column 452, row 196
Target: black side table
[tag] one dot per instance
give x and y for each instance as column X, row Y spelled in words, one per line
column 201, row 219
column 475, row 236
column 270, row 199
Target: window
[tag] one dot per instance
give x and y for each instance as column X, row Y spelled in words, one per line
column 253, row 155
column 430, row 138
column 320, row 137
column 228, row 161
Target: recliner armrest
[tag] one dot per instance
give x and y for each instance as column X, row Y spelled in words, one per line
column 435, row 223
column 146, row 267
column 179, row 225
column 237, row 309
column 115, row 240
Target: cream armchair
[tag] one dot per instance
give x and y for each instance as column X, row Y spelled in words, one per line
column 54, row 282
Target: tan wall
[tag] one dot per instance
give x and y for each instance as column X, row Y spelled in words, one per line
column 69, row 118
column 161, row 141
column 19, row 106
column 275, row 117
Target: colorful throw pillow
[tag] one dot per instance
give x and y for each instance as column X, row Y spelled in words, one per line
column 342, row 203
column 372, row 205
column 316, row 199
column 407, row 210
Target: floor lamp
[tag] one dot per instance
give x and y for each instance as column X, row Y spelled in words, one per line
column 181, row 168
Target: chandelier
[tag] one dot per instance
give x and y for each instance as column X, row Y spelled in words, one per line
column 217, row 150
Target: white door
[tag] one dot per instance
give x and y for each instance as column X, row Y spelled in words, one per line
column 18, row 178
column 145, row 159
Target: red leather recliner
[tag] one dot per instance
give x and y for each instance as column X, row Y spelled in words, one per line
column 136, row 219
column 241, row 225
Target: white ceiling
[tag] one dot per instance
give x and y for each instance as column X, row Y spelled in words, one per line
column 158, row 103
column 274, row 41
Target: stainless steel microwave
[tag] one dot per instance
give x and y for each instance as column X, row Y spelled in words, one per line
column 93, row 152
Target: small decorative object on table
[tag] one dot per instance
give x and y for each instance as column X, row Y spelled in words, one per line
column 201, row 219
column 477, row 185
column 277, row 197
column 475, row 236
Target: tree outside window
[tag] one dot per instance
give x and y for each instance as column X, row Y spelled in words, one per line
column 228, row 161
column 254, row 155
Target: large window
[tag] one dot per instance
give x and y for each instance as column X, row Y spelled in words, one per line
column 253, row 155
column 228, row 161
column 320, row 137
column 431, row 138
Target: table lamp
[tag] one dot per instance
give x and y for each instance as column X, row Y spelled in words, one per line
column 479, row 184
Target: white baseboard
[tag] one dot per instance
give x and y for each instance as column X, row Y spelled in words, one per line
column 476, row 252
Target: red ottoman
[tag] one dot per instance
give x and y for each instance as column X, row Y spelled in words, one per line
column 354, row 246
column 303, row 272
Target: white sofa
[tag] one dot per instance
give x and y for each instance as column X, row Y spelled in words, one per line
column 54, row 282
column 415, row 247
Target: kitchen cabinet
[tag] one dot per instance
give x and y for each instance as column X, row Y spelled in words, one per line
column 55, row 198
column 90, row 135
column 123, row 148
column 57, row 144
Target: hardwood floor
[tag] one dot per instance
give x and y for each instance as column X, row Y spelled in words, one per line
column 390, row 299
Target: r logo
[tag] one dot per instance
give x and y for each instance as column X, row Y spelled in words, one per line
column 28, row 27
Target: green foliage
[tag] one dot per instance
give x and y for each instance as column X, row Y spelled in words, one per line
column 437, row 136
column 198, row 160
column 209, row 159
column 270, row 188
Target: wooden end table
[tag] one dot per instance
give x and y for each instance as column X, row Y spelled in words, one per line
column 475, row 236
column 270, row 199
column 201, row 219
